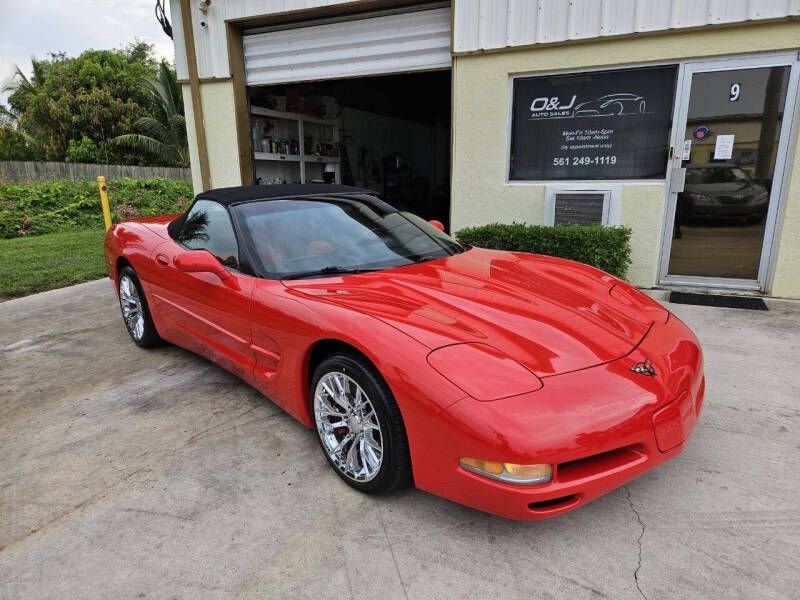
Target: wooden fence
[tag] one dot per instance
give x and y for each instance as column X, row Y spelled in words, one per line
column 26, row 171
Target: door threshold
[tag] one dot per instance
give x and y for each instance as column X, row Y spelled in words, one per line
column 666, row 289
column 717, row 300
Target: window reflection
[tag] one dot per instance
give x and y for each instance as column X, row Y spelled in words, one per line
column 720, row 216
column 208, row 227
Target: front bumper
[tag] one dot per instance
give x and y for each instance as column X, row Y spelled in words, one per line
column 599, row 427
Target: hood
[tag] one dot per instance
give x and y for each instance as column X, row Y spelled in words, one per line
column 157, row 225
column 714, row 189
column 551, row 315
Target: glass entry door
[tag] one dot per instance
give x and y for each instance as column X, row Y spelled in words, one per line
column 729, row 152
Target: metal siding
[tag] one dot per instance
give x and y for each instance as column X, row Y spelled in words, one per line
column 412, row 41
column 177, row 35
column 211, row 45
column 490, row 24
column 484, row 24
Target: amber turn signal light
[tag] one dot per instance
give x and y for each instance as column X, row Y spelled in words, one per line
column 508, row 472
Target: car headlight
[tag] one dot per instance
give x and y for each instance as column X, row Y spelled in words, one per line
column 508, row 472
column 483, row 372
column 701, row 199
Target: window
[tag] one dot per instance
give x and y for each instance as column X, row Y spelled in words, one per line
column 208, row 227
column 593, row 125
column 309, row 237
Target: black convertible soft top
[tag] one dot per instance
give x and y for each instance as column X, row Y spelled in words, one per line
column 244, row 193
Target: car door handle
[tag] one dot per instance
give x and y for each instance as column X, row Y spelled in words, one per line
column 162, row 259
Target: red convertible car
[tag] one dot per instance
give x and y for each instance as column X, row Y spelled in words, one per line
column 518, row 384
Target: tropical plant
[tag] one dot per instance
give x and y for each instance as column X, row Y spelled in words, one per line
column 84, row 151
column 162, row 136
column 64, row 205
column 96, row 95
column 24, row 87
column 20, row 138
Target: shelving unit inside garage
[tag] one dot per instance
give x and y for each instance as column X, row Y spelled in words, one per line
column 315, row 148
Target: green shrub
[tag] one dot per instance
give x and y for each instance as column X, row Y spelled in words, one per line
column 66, row 205
column 84, row 151
column 607, row 248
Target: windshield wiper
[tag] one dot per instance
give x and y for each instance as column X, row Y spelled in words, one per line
column 333, row 270
column 428, row 258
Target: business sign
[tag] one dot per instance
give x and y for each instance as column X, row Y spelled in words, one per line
column 596, row 125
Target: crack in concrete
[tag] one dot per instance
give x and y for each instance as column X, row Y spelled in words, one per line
column 638, row 541
column 73, row 509
column 391, row 551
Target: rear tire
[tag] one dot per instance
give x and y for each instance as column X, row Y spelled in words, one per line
column 359, row 425
column 135, row 310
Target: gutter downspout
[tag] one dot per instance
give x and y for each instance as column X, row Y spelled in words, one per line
column 194, row 85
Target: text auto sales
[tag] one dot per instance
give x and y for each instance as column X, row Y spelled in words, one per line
column 549, row 108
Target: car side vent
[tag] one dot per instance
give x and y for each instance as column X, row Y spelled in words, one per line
column 581, row 208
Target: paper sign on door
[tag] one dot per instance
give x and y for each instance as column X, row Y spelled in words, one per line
column 687, row 149
column 724, row 147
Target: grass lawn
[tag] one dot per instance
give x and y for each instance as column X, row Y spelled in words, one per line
column 44, row 262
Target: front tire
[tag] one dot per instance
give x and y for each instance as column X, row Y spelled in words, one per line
column 359, row 425
column 135, row 311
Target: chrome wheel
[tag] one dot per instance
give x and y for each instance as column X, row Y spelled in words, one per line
column 132, row 310
column 348, row 426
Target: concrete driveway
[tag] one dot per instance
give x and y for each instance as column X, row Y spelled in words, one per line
column 127, row 473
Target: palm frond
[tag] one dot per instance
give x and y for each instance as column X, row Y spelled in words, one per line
column 151, row 127
column 148, row 145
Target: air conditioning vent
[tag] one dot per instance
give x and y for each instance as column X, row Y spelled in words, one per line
column 584, row 208
column 566, row 204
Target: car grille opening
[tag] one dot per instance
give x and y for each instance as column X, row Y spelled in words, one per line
column 553, row 503
column 601, row 463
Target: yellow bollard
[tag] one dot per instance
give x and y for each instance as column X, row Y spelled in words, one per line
column 101, row 183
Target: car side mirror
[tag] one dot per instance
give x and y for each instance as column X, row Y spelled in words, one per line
column 200, row 261
column 438, row 224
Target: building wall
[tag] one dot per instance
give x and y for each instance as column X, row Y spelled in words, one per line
column 220, row 127
column 210, row 41
column 480, row 132
column 493, row 24
column 786, row 283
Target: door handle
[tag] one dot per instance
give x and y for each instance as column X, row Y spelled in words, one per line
column 677, row 180
column 162, row 259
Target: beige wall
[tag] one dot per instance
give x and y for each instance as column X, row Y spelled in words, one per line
column 219, row 119
column 786, row 282
column 480, row 193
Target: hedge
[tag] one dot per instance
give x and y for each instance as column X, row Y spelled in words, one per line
column 66, row 205
column 607, row 248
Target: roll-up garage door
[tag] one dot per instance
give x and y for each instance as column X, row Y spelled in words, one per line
column 394, row 43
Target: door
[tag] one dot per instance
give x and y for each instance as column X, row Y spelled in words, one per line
column 416, row 40
column 202, row 312
column 730, row 145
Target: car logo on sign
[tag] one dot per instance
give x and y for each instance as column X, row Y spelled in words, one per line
column 644, row 367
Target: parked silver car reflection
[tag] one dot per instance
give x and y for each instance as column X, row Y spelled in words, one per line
column 721, row 191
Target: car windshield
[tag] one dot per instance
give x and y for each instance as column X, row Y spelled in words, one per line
column 716, row 175
column 318, row 237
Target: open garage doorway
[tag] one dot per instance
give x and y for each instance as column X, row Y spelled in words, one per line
column 388, row 133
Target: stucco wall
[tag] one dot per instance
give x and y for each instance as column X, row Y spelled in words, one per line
column 480, row 132
column 191, row 134
column 220, row 126
column 786, row 282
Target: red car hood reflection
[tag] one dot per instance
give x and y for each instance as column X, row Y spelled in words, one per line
column 553, row 316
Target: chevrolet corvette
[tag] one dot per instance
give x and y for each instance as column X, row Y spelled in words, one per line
column 518, row 384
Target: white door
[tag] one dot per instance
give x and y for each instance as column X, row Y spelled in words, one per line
column 731, row 144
